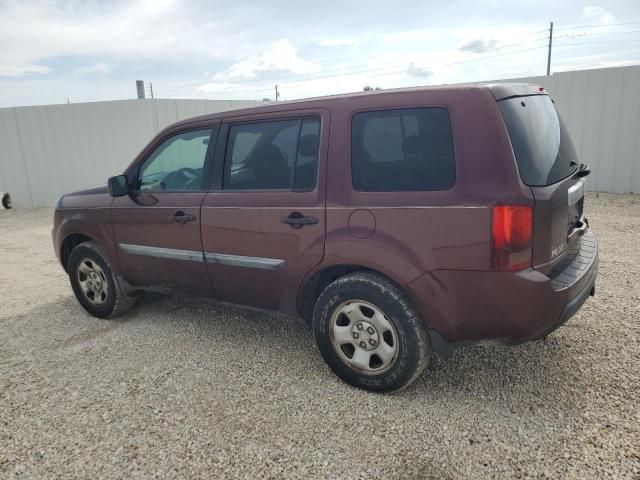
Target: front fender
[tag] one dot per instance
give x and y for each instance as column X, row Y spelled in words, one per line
column 94, row 223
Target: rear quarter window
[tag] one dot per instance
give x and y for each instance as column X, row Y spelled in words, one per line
column 541, row 143
column 402, row 150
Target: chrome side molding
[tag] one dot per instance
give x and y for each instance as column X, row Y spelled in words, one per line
column 261, row 263
column 242, row 261
column 159, row 252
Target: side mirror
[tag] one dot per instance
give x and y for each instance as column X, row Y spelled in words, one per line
column 118, row 186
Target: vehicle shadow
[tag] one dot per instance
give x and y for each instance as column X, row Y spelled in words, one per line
column 497, row 373
column 536, row 372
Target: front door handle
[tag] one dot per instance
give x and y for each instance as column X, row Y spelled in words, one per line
column 182, row 218
column 297, row 220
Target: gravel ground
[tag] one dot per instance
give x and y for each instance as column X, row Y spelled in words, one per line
column 186, row 388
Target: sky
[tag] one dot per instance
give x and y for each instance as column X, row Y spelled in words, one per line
column 93, row 50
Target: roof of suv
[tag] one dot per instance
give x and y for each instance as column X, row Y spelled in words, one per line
column 499, row 90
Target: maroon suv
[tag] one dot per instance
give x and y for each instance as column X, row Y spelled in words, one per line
column 396, row 223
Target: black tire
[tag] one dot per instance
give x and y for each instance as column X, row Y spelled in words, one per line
column 6, row 201
column 413, row 349
column 116, row 299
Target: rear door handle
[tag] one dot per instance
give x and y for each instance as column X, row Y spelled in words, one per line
column 297, row 220
column 182, row 218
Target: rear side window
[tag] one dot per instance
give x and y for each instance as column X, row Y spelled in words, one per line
column 543, row 148
column 402, row 150
column 273, row 155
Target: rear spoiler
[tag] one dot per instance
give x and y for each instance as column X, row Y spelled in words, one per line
column 502, row 91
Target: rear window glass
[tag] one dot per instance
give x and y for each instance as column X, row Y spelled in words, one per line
column 542, row 145
column 402, row 150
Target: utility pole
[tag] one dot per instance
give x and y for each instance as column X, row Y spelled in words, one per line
column 140, row 89
column 277, row 93
column 549, row 54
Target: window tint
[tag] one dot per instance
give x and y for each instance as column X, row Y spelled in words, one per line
column 245, row 141
column 544, row 151
column 176, row 165
column 304, row 174
column 275, row 155
column 402, row 150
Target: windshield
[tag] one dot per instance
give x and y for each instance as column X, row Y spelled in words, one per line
column 541, row 143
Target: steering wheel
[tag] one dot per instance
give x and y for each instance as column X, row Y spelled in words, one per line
column 181, row 178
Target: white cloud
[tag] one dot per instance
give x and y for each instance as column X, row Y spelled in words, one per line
column 172, row 42
column 598, row 15
column 21, row 70
column 130, row 30
column 99, row 68
column 478, row 45
column 417, row 71
column 336, row 42
column 280, row 57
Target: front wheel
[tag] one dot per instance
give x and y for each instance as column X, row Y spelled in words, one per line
column 369, row 333
column 97, row 289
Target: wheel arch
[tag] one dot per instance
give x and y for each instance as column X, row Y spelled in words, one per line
column 316, row 281
column 70, row 242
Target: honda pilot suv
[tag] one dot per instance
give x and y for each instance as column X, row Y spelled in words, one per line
column 396, row 223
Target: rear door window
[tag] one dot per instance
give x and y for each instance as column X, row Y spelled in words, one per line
column 541, row 143
column 273, row 155
column 402, row 150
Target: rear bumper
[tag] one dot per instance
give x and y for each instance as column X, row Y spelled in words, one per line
column 575, row 303
column 462, row 307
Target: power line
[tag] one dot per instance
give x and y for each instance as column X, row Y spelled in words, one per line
column 404, row 70
column 346, row 70
column 358, row 69
column 596, row 34
column 468, row 61
column 598, row 26
column 597, row 43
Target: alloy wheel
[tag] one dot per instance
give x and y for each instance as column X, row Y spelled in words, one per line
column 363, row 337
column 92, row 281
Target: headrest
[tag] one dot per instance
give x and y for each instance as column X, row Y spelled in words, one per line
column 266, row 158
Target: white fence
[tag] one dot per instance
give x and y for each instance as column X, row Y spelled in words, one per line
column 602, row 111
column 46, row 151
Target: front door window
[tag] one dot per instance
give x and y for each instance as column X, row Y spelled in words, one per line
column 176, row 165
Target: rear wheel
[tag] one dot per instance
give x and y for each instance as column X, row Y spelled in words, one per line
column 97, row 289
column 369, row 333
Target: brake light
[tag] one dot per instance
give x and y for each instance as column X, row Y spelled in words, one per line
column 511, row 237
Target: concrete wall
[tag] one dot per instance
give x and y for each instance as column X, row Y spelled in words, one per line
column 46, row 151
column 602, row 111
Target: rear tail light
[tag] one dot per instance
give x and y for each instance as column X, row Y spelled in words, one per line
column 511, row 237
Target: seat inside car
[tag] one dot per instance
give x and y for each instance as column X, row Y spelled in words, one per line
column 269, row 167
